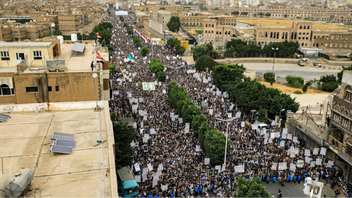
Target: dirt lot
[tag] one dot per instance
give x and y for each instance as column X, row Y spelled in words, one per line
column 287, row 23
column 285, row 89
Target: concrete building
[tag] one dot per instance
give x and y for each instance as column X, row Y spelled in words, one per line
column 216, row 30
column 30, row 74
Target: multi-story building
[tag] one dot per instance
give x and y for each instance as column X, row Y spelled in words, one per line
column 340, row 131
column 70, row 23
column 197, row 19
column 217, row 30
column 11, row 31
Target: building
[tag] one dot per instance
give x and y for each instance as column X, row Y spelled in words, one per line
column 70, row 23
column 216, row 30
column 43, row 72
column 340, row 130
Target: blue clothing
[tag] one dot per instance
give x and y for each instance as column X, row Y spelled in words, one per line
column 294, row 178
column 274, row 179
column 299, row 177
column 267, row 178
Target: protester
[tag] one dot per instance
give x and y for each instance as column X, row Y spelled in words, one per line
column 161, row 144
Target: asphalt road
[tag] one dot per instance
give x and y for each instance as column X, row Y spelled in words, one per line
column 283, row 70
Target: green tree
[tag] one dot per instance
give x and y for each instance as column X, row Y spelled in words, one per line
column 144, row 51
column 267, row 14
column 156, row 66
column 201, row 50
column 57, row 32
column 293, row 81
column 214, row 146
column 250, row 188
column 196, row 123
column 123, row 138
column 305, row 87
column 261, row 14
column 174, row 24
column 201, row 6
column 340, row 74
column 190, row 3
column 180, row 50
column 244, row 13
column 261, row 114
column 173, row 42
column 269, row 77
column 112, row 69
column 285, row 48
column 204, row 62
column 235, row 13
column 226, row 73
column 161, row 75
column 199, row 31
column 329, row 83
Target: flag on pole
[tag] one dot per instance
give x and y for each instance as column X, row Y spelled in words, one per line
column 100, row 59
column 98, row 36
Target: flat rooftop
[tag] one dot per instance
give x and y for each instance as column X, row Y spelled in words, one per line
column 25, row 141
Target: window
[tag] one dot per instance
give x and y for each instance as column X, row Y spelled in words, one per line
column 5, row 55
column 345, row 123
column 37, row 55
column 56, row 88
column 20, row 56
column 336, row 118
column 31, row 89
column 348, row 150
column 49, row 89
column 5, row 90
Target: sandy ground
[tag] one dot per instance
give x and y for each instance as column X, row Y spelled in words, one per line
column 285, row 89
column 287, row 23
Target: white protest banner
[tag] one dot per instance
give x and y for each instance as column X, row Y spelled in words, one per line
column 289, row 136
column 144, row 178
column 316, row 151
column 284, row 131
column 284, row 136
column 274, row 166
column 180, row 120
column 145, row 140
column 223, row 168
column 160, row 167
column 300, row 163
column 312, row 164
column 134, row 107
column 229, row 115
column 292, row 167
column 273, row 123
column 307, row 159
column 186, row 130
column 296, row 150
column 272, row 135
column 266, row 135
column 187, row 126
column 238, row 115
column 134, row 125
column 266, row 141
column 150, row 167
column 242, row 124
column 295, row 139
column 155, row 182
column 145, row 171
column 329, row 164
column 211, row 111
column 197, row 148
column 138, row 178
column 152, row 131
column 136, row 167
column 283, row 166
column 282, row 144
column 191, row 71
column 218, row 167
column 270, row 140
column 145, row 118
column 164, row 91
column 322, row 151
column 239, row 169
column 318, row 161
column 156, row 177
column 277, row 135
column 164, row 187
column 207, row 89
column 254, row 127
column 292, row 155
column 306, row 152
column 262, row 132
column 206, row 161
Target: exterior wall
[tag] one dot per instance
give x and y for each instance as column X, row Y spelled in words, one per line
column 5, row 34
column 69, row 23
column 213, row 30
column 72, row 87
column 47, row 53
column 156, row 28
column 335, row 40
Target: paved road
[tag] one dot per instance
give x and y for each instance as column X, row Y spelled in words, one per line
column 283, row 70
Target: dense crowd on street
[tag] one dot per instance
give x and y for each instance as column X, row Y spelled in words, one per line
column 171, row 151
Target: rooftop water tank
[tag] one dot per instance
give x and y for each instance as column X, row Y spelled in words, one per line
column 19, row 183
column 74, row 38
column 61, row 38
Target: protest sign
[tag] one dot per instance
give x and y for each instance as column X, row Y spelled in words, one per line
column 206, row 161
column 283, row 166
column 300, row 163
column 274, row 166
column 284, row 131
column 150, row 167
column 289, row 136
column 316, row 151
column 138, row 178
column 292, row 167
column 136, row 167
column 318, row 161
column 282, row 144
column 306, row 152
column 197, row 148
column 322, row 151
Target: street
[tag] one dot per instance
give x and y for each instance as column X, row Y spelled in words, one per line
column 283, row 70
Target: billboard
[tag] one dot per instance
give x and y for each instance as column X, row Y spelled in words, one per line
column 121, row 13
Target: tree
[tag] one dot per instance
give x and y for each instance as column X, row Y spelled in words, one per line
column 190, row 3
column 329, row 83
column 269, row 77
column 201, row 6
column 57, row 32
column 235, row 13
column 201, row 50
column 112, row 69
column 250, row 188
column 161, row 76
column 261, row 14
column 123, row 137
column 174, row 24
column 244, row 13
column 196, row 123
column 226, row 73
column 261, row 114
column 340, row 74
column 267, row 14
column 285, row 48
column 204, row 62
column 293, row 81
column 173, row 42
column 155, row 66
column 305, row 87
column 144, row 51
column 180, row 50
column 214, row 146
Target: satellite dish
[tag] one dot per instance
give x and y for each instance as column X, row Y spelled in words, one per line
column 94, row 75
column 52, row 24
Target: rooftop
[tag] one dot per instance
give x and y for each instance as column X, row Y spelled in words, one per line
column 20, row 44
column 25, row 141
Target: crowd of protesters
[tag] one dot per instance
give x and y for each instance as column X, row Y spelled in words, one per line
column 183, row 171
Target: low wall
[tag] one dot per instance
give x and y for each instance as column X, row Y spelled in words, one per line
column 256, row 60
column 52, row 106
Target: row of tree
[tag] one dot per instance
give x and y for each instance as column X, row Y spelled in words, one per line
column 250, row 94
column 210, row 140
column 157, row 68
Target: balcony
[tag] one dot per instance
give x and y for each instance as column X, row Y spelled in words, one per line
column 335, row 145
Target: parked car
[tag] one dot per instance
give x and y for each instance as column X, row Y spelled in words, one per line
column 301, row 63
column 317, row 64
column 304, row 59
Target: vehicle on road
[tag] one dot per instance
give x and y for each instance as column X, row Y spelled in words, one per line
column 301, row 63
column 304, row 59
column 127, row 184
column 317, row 64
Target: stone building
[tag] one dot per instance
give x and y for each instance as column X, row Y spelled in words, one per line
column 216, row 30
column 340, row 131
